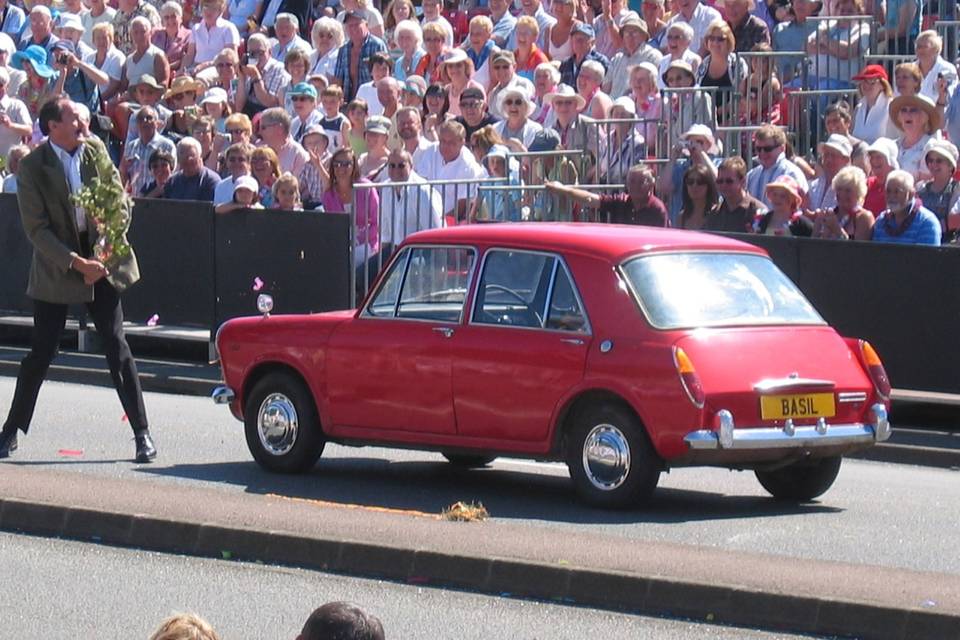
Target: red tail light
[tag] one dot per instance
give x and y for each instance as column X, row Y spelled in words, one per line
column 878, row 375
column 688, row 377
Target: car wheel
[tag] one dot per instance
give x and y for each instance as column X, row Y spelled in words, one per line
column 611, row 461
column 468, row 461
column 802, row 481
column 281, row 424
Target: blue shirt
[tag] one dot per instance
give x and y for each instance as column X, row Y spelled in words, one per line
column 758, row 178
column 199, row 187
column 791, row 37
column 341, row 71
column 504, row 27
column 892, row 22
column 398, row 71
column 925, row 229
column 14, row 21
column 569, row 69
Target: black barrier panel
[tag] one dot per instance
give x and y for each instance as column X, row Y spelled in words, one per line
column 174, row 245
column 16, row 253
column 903, row 299
column 302, row 259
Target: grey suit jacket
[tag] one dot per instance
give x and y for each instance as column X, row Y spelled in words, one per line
column 49, row 222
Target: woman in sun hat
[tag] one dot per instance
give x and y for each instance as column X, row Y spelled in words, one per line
column 42, row 82
column 784, row 218
column 517, row 107
column 871, row 120
column 626, row 145
column 917, row 119
column 457, row 70
column 941, row 192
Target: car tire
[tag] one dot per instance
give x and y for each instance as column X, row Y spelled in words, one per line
column 281, row 424
column 468, row 461
column 610, row 458
column 802, row 481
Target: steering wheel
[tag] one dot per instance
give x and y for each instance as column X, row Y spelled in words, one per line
column 533, row 315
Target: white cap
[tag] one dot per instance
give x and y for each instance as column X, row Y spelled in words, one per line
column 246, row 182
column 840, row 144
column 70, row 21
column 888, row 149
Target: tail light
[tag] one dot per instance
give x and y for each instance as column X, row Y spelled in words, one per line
column 878, row 375
column 688, row 377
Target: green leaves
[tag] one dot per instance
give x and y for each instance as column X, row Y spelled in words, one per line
column 108, row 207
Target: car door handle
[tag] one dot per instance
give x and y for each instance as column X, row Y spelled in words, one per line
column 447, row 332
column 574, row 341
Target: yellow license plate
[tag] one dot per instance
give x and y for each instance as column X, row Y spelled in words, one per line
column 805, row 405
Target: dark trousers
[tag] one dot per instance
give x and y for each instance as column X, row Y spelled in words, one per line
column 48, row 322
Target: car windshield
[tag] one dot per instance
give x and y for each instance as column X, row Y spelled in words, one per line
column 690, row 290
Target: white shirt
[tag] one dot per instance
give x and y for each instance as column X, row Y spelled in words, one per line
column 527, row 133
column 325, row 63
column 464, row 167
column 617, row 80
column 210, row 42
column 868, row 125
column 71, row 171
column 223, row 193
column 929, row 85
column 404, row 210
column 911, row 160
column 821, row 194
column 19, row 114
column 369, row 93
column 88, row 21
column 112, row 64
column 700, row 21
column 279, row 51
column 493, row 97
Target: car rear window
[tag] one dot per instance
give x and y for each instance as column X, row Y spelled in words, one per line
column 689, row 290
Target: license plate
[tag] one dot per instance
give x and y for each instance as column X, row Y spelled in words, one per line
column 805, row 405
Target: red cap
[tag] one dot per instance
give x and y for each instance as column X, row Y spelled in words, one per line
column 872, row 71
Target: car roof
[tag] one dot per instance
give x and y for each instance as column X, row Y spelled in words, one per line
column 613, row 242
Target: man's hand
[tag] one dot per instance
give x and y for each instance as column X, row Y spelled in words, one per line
column 91, row 270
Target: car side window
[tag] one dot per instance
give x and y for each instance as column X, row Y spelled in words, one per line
column 513, row 288
column 436, row 282
column 384, row 303
column 566, row 312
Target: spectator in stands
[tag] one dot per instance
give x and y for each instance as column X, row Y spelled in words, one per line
column 336, row 620
column 835, row 154
column 14, row 19
column 143, row 58
column 227, row 65
column 314, row 179
column 41, row 82
column 901, row 26
column 724, row 69
column 626, row 146
column 545, row 81
column 333, row 121
column 161, row 166
column 216, row 106
column 907, row 79
column 327, row 37
column 237, row 158
column 432, row 15
column 576, row 130
column 99, row 13
column 479, row 47
column 7, row 51
column 350, row 71
column 412, row 93
column 275, row 125
column 15, row 121
column 287, row 36
column 737, row 209
column 871, row 120
column 838, row 46
column 80, row 79
column 791, row 38
column 40, row 32
column 357, row 120
column 239, row 128
column 185, row 625
column 482, row 141
column 784, row 217
column 395, row 13
column 503, row 66
column 409, row 127
column 474, row 111
column 286, row 193
column 582, row 43
column 371, row 14
column 608, row 24
column 685, row 109
column 404, row 210
column 69, row 27
column 436, row 104
column 434, row 49
column 134, row 166
column 544, row 205
column 262, row 79
column 517, row 108
column 127, row 12
column 14, row 156
column 697, row 146
column 933, row 67
column 770, row 145
column 245, row 196
column 363, row 204
column 917, row 119
column 534, row 9
column 305, row 114
column 635, row 50
column 210, row 36
column 203, row 130
column 409, row 41
column 108, row 59
column 380, row 65
column 449, row 159
column 699, row 197
column 173, row 38
column 192, row 181
column 242, row 13
column 265, row 167
column 699, row 16
column 182, row 96
column 653, row 12
column 528, row 55
column 748, row 29
column 882, row 155
column 557, row 37
column 905, row 219
column 503, row 21
column 589, row 82
column 764, row 91
column 645, row 93
column 679, row 38
column 458, row 69
column 941, row 192
column 637, row 206
column 501, row 204
column 295, row 64
column 837, row 120
column 374, row 161
column 848, row 219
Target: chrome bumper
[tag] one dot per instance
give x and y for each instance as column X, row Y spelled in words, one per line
column 222, row 395
column 820, row 435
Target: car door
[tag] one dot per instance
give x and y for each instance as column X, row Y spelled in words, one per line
column 524, row 347
column 390, row 367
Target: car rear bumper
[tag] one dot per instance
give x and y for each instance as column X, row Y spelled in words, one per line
column 728, row 437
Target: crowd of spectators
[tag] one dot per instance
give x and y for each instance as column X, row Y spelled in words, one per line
column 301, row 105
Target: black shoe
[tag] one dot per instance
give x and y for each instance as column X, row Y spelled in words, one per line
column 146, row 452
column 8, row 443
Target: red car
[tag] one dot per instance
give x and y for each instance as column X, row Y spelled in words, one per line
column 623, row 351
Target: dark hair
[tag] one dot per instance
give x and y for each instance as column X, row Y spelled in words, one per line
column 52, row 110
column 437, row 89
column 342, row 621
column 161, row 156
column 841, row 108
column 704, row 174
column 735, row 164
column 354, row 174
column 378, row 58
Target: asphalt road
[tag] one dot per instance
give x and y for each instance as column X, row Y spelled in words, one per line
column 74, row 590
column 876, row 513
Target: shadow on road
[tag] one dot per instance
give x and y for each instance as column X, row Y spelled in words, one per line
column 432, row 486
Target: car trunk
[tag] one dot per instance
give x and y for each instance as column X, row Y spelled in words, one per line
column 764, row 375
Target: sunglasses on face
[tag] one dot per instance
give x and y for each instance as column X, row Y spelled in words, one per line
column 236, row 132
column 768, row 148
column 696, row 182
column 909, row 109
column 513, row 102
column 470, row 104
column 340, row 164
column 396, row 165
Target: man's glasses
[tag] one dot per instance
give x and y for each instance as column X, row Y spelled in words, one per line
column 768, row 148
column 470, row 104
column 237, row 159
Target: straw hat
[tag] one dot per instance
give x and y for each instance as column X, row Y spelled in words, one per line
column 562, row 92
column 183, row 84
column 788, row 184
column 942, row 148
column 920, row 101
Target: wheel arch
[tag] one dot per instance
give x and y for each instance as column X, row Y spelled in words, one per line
column 265, row 368
column 579, row 402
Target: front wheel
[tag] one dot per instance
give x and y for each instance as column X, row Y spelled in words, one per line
column 611, row 461
column 281, row 424
column 802, row 481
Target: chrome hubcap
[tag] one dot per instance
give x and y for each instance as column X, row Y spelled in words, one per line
column 277, row 424
column 606, row 457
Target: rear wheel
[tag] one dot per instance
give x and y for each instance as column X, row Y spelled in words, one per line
column 281, row 424
column 468, row 461
column 611, row 461
column 802, row 481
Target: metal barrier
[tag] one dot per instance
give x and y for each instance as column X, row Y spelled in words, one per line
column 538, row 195
column 686, row 106
column 833, row 66
column 761, row 100
column 805, row 109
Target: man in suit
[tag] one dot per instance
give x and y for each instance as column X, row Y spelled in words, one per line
column 63, row 271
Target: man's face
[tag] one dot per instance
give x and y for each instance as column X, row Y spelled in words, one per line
column 632, row 38
column 431, row 8
column 729, row 184
column 258, row 53
column 272, row 133
column 408, row 126
column 677, row 78
column 581, row 44
column 238, row 164
column 285, row 31
column 639, row 187
column 835, row 123
column 189, row 160
column 472, row 110
column 147, row 126
column 148, row 95
column 898, row 198
column 356, row 30
column 737, row 10
column 530, row 6
column 388, row 94
column 139, row 34
column 768, row 151
column 66, row 132
column 398, row 167
column 832, row 160
column 450, row 145
column 39, row 25
column 497, row 7
column 652, row 12
column 211, row 11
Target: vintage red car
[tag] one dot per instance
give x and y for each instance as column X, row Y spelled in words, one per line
column 623, row 351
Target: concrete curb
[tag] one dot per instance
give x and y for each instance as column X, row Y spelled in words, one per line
column 650, row 595
column 910, row 454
